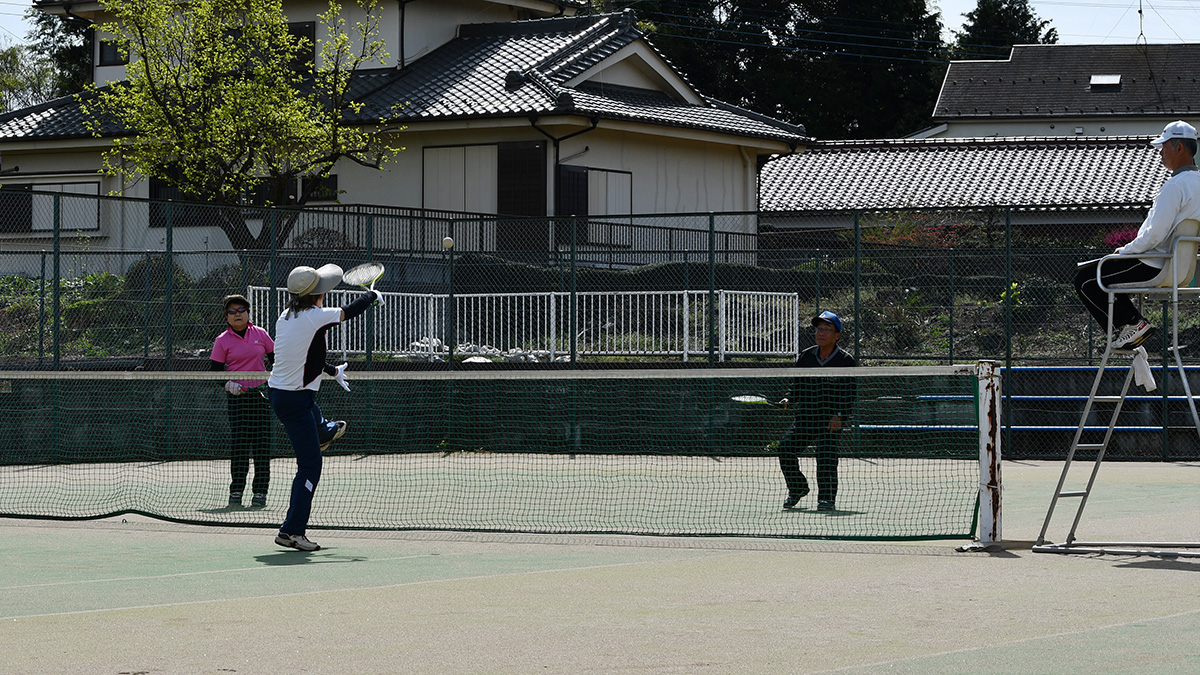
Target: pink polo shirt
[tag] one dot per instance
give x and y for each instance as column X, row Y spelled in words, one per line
column 244, row 353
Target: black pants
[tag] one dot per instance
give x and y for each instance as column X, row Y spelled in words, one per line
column 799, row 436
column 250, row 438
column 1115, row 272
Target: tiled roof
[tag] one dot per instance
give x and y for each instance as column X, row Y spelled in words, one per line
column 962, row 172
column 517, row 69
column 1056, row 80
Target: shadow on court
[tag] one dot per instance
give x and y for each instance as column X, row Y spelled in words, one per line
column 132, row 594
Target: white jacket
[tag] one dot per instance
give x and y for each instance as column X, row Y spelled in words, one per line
column 1177, row 200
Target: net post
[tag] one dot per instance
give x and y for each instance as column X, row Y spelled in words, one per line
column 988, row 383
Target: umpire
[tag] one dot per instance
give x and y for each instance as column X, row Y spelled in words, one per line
column 822, row 408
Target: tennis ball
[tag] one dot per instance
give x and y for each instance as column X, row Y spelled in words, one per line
column 448, row 242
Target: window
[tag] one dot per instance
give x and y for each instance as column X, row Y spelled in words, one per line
column 599, row 194
column 572, row 201
column 460, row 178
column 34, row 207
column 307, row 31
column 16, row 208
column 112, row 53
column 521, row 191
column 185, row 213
column 326, row 189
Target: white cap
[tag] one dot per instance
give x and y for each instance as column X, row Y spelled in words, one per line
column 1175, row 131
column 305, row 280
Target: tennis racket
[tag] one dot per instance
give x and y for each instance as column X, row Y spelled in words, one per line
column 755, row 400
column 364, row 275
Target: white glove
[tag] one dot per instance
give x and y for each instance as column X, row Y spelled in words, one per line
column 340, row 376
column 378, row 298
column 234, row 388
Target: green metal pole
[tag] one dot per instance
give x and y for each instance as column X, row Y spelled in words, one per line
column 272, row 298
column 573, row 322
column 857, row 284
column 42, row 314
column 170, row 280
column 57, row 285
column 712, row 288
column 1008, row 333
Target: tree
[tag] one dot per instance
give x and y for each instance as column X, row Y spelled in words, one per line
column 66, row 42
column 842, row 68
column 26, row 78
column 222, row 102
column 996, row 25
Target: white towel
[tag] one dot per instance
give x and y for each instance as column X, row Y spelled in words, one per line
column 1141, row 370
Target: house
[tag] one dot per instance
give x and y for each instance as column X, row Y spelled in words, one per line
column 1056, row 133
column 521, row 108
column 1069, row 90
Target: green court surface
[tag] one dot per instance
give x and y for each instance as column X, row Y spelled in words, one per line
column 134, row 595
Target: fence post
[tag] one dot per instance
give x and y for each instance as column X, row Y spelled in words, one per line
column 1008, row 311
column 951, row 350
column 857, row 284
column 57, row 283
column 1166, row 386
column 370, row 346
column 170, row 255
column 573, row 320
column 146, row 313
column 273, row 299
column 451, row 336
column 712, row 288
column 42, row 314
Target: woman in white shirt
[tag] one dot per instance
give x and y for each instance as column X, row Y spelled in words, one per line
column 299, row 361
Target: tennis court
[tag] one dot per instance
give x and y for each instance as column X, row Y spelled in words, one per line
column 136, row 595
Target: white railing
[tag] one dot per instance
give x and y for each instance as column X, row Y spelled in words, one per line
column 513, row 325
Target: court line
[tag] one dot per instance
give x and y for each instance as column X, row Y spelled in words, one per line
column 423, row 582
column 180, row 575
column 968, row 650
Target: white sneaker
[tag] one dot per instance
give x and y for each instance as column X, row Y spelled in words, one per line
column 296, row 541
column 337, row 433
column 1133, row 335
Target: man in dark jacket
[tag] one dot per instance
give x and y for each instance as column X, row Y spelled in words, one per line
column 822, row 409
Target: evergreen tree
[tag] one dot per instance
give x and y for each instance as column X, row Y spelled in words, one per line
column 842, row 68
column 996, row 25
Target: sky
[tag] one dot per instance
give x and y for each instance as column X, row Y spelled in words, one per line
column 1078, row 22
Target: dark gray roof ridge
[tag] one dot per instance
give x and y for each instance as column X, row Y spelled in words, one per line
column 977, row 141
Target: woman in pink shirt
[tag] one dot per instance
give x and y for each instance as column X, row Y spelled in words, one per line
column 244, row 347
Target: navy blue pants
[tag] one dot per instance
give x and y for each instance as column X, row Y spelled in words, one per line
column 800, row 435
column 304, row 424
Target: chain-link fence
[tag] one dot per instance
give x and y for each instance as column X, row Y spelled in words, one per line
column 91, row 282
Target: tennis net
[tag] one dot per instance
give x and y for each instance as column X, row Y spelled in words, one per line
column 668, row 452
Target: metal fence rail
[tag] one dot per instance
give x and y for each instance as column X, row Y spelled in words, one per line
column 540, row 326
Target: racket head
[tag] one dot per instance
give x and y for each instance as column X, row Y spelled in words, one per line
column 364, row 275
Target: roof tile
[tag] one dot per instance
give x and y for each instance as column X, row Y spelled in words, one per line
column 964, row 172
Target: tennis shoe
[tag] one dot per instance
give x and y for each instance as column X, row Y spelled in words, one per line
column 1133, row 335
column 259, row 499
column 337, row 433
column 235, row 499
column 296, row 541
column 825, row 506
column 795, row 497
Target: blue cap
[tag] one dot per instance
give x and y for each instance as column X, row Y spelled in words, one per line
column 828, row 317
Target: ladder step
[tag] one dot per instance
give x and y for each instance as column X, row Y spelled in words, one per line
column 1076, row 493
column 1130, row 352
column 1107, row 399
column 1090, row 446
